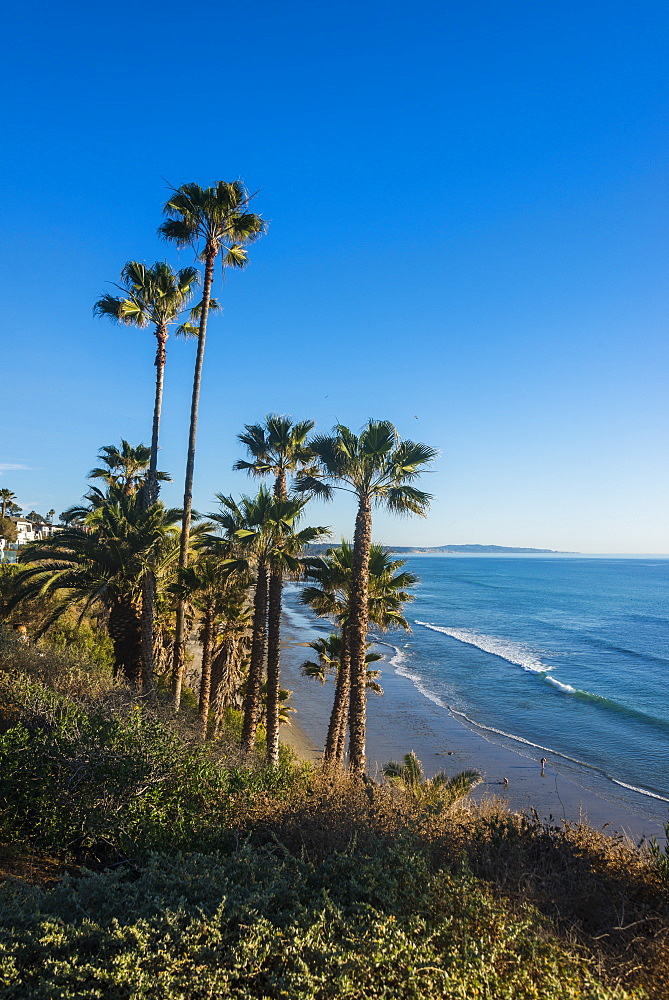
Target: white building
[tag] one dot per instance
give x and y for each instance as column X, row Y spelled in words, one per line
column 33, row 531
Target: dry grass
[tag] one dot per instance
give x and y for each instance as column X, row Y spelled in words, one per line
column 602, row 894
column 64, row 673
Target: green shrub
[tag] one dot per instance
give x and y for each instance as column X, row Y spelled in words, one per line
column 115, row 784
column 261, row 924
column 68, row 669
column 84, row 641
column 660, row 854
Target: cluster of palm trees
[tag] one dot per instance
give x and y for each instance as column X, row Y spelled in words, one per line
column 126, row 552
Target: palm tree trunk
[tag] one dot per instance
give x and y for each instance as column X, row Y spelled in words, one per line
column 125, row 633
column 177, row 664
column 147, row 623
column 205, row 681
column 358, row 623
column 274, row 642
column 340, row 705
column 219, row 676
column 341, row 736
column 151, row 491
column 254, row 680
column 280, row 489
column 150, row 495
column 273, row 666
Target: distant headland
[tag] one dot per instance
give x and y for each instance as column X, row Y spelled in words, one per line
column 483, row 549
column 475, row 549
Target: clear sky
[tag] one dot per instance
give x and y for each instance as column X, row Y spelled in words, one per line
column 468, row 217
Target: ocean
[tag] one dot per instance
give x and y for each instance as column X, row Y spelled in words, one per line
column 561, row 656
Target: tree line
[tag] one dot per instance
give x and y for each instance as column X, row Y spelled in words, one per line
column 153, row 573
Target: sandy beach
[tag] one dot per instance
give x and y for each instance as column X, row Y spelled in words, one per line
column 403, row 719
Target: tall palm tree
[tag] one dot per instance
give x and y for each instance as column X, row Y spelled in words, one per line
column 329, row 595
column 377, row 467
column 153, row 296
column 7, row 499
column 266, row 526
column 278, row 448
column 102, row 563
column 215, row 221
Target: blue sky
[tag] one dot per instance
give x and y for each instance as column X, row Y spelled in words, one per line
column 468, row 217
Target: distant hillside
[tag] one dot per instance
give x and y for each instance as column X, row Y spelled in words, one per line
column 468, row 548
column 321, row 547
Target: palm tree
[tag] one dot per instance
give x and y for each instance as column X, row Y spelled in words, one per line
column 266, row 527
column 7, row 499
column 377, row 467
column 329, row 652
column 437, row 791
column 286, row 545
column 102, row 563
column 278, row 447
column 126, row 467
column 388, row 592
column 233, row 518
column 214, row 220
column 209, row 586
column 153, row 296
column 231, row 657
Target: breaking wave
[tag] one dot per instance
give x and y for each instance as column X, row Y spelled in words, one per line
column 513, row 652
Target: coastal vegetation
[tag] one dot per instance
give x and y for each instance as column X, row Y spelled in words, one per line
column 138, row 862
column 157, row 838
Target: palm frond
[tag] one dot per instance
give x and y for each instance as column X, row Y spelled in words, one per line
column 310, row 484
column 404, row 500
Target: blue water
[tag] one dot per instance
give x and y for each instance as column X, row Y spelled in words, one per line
column 566, row 655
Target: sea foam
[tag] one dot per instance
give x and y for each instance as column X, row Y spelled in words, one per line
column 513, row 652
column 565, row 688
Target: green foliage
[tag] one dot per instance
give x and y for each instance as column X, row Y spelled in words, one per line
column 277, row 447
column 113, row 784
column 263, row 924
column 78, row 671
column 84, row 640
column 8, row 529
column 439, row 791
column 126, row 467
column 215, row 217
column 660, row 854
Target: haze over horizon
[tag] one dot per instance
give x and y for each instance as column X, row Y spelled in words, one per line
column 468, row 217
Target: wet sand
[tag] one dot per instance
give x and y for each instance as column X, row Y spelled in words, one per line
column 403, row 720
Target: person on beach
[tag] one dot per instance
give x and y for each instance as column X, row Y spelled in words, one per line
column 543, row 765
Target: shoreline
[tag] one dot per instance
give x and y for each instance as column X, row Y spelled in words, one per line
column 403, row 719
